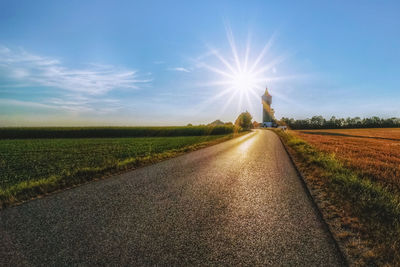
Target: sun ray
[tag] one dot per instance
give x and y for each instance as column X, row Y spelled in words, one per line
column 223, row 60
column 249, row 102
column 216, row 97
column 216, row 70
column 254, row 94
column 239, row 109
column 215, row 83
column 228, row 102
column 262, row 54
column 284, row 78
column 246, row 55
column 207, row 103
column 242, row 77
column 270, row 65
column 231, row 41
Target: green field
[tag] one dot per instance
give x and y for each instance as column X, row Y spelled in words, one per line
column 29, row 167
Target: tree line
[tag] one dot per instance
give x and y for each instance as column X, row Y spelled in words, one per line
column 319, row 122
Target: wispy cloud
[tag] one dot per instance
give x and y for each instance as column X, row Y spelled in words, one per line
column 72, row 105
column 181, row 69
column 80, row 90
column 93, row 79
column 29, row 104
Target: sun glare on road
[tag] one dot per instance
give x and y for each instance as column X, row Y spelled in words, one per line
column 242, row 77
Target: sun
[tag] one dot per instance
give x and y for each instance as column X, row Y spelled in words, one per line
column 241, row 76
column 244, row 81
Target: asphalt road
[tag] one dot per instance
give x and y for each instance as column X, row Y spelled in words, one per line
column 235, row 203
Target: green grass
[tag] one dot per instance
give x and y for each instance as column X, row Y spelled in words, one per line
column 108, row 132
column 376, row 207
column 29, row 167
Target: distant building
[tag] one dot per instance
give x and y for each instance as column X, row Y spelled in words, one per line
column 282, row 127
column 268, row 112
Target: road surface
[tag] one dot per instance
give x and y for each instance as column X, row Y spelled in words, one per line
column 236, row 203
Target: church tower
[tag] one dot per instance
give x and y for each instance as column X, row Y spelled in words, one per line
column 268, row 112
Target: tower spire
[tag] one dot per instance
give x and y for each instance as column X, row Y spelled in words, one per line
column 268, row 112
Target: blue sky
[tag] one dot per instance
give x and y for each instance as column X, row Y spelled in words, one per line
column 173, row 62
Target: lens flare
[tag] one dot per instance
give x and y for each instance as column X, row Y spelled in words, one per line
column 241, row 78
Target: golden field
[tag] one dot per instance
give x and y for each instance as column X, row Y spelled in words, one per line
column 374, row 153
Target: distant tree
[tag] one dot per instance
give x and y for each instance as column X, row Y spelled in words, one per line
column 189, row 125
column 228, row 123
column 244, row 121
column 318, row 122
column 282, row 122
column 216, row 123
column 332, row 122
column 256, row 124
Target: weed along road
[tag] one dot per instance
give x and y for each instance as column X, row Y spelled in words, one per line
column 235, row 203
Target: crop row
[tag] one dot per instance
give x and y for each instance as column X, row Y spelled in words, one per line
column 110, row 132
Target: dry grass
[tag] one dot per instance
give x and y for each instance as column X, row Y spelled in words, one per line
column 374, row 153
column 362, row 213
